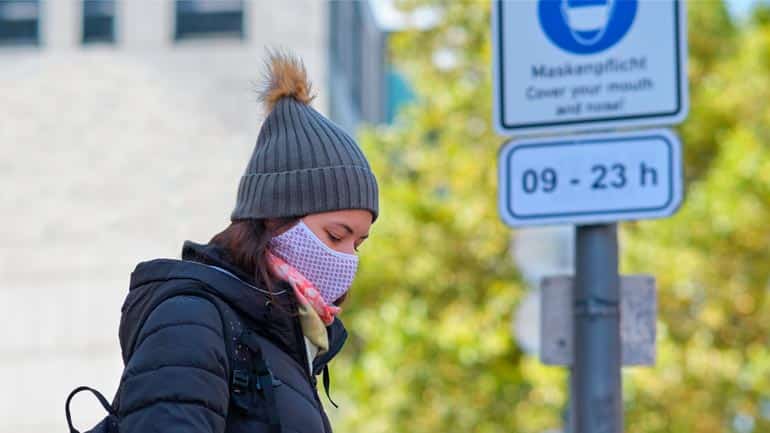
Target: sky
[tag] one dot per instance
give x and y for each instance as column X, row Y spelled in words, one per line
column 738, row 8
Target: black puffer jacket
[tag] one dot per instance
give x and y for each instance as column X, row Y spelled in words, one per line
column 177, row 376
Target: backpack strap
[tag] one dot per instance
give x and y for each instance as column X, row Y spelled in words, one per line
column 261, row 376
column 105, row 404
column 246, row 376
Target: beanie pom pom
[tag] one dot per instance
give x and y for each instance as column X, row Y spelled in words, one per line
column 285, row 77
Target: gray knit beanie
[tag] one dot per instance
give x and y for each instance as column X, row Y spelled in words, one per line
column 302, row 163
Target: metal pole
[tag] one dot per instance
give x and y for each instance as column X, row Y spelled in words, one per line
column 597, row 405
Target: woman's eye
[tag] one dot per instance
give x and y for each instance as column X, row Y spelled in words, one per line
column 334, row 238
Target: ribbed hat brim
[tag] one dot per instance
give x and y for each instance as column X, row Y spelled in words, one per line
column 306, row 191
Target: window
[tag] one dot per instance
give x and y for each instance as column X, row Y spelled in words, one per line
column 204, row 18
column 19, row 22
column 98, row 21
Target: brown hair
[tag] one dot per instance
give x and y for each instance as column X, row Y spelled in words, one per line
column 245, row 244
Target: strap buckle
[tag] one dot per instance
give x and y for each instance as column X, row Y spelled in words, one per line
column 240, row 381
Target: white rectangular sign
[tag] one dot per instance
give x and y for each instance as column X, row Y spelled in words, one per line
column 579, row 65
column 638, row 312
column 588, row 179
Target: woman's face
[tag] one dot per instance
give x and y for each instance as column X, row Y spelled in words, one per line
column 342, row 230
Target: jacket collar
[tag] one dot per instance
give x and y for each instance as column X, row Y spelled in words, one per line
column 241, row 291
column 213, row 255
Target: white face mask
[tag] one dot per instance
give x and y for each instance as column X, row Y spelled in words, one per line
column 587, row 20
column 331, row 271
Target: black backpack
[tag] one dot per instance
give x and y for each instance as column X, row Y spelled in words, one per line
column 248, row 376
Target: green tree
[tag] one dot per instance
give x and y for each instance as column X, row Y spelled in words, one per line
column 431, row 347
column 711, row 38
column 760, row 13
column 711, row 261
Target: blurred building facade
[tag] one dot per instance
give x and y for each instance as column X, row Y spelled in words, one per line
column 124, row 127
column 67, row 24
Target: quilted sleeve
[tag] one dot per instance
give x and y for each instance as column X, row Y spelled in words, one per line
column 176, row 379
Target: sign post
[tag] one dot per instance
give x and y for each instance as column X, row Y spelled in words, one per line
column 597, row 406
column 592, row 180
column 567, row 66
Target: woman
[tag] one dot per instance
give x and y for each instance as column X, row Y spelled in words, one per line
column 231, row 337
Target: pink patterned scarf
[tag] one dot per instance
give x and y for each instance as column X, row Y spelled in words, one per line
column 304, row 290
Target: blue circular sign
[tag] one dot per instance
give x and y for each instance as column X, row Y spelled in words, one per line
column 586, row 26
